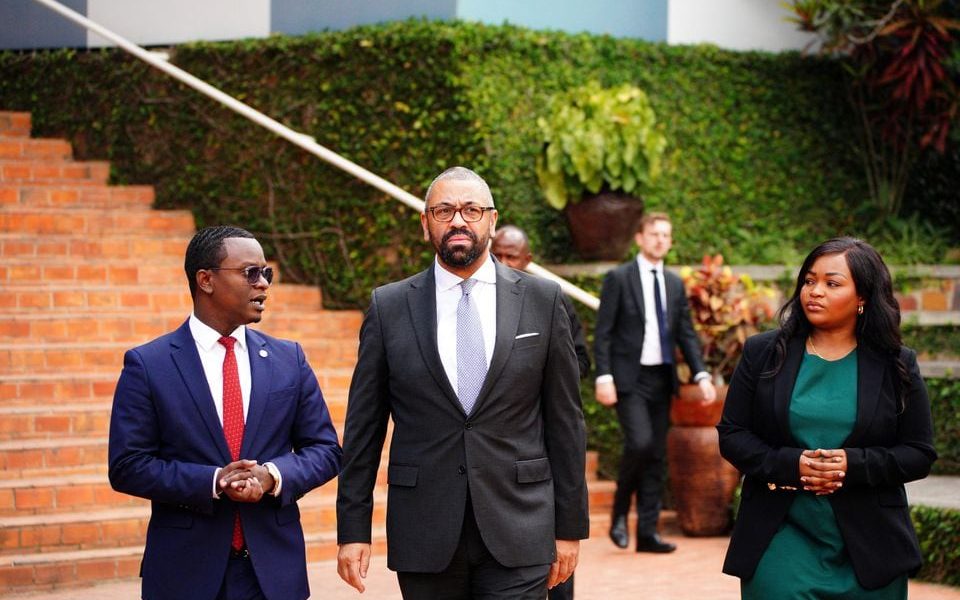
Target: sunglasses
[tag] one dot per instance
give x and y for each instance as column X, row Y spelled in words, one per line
column 252, row 273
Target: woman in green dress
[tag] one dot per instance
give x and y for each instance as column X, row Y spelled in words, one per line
column 827, row 418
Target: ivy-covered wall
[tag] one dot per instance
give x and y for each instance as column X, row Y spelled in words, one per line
column 761, row 168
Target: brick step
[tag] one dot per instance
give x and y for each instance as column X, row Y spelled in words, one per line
column 37, row 572
column 46, row 389
column 39, row 195
column 127, row 526
column 60, row 297
column 19, row 148
column 60, row 494
column 19, row 457
column 88, row 357
column 14, row 124
column 42, row 390
column 137, row 328
column 94, row 221
column 54, row 421
column 51, row 171
column 33, row 271
column 114, row 247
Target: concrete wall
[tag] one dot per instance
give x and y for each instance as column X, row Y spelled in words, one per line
column 736, row 24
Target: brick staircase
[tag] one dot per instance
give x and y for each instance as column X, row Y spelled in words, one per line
column 88, row 271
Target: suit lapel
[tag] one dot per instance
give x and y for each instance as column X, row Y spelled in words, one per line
column 422, row 302
column 636, row 288
column 261, row 369
column 870, row 372
column 783, row 385
column 185, row 356
column 509, row 303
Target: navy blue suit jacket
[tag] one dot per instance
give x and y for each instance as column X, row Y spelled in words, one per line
column 166, row 442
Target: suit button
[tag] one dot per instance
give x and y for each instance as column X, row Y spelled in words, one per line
column 468, row 426
column 461, row 469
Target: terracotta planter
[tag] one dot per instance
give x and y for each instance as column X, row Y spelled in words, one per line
column 603, row 225
column 702, row 483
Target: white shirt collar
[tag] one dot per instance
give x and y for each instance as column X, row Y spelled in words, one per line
column 207, row 337
column 646, row 266
column 446, row 280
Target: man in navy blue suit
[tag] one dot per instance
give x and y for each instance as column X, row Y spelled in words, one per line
column 223, row 428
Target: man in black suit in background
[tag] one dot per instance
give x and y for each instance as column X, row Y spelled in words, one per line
column 512, row 247
column 474, row 363
column 643, row 317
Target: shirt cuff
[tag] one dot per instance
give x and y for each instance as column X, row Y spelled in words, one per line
column 604, row 379
column 277, row 479
column 216, row 477
column 701, row 376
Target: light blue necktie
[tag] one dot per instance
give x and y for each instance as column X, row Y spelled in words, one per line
column 471, row 357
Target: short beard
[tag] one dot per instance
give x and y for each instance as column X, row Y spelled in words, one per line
column 460, row 257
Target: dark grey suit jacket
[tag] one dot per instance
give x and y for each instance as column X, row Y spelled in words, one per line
column 618, row 338
column 520, row 453
column 891, row 444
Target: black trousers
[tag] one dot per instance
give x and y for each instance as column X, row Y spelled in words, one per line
column 644, row 413
column 473, row 573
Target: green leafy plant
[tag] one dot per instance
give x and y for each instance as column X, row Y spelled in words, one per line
column 598, row 138
column 726, row 309
column 903, row 80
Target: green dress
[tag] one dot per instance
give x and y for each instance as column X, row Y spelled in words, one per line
column 806, row 559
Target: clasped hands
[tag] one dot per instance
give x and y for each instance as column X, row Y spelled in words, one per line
column 245, row 481
column 822, row 471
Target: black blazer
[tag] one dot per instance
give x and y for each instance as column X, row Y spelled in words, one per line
column 520, row 453
column 888, row 447
column 618, row 336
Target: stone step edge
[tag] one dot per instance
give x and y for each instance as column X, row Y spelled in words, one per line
column 37, row 444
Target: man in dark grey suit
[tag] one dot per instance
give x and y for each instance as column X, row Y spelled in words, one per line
column 474, row 362
column 643, row 317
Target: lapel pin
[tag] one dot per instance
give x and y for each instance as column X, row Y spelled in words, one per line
column 263, row 353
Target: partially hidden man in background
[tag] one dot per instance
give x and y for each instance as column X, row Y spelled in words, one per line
column 223, row 428
column 511, row 247
column 475, row 364
column 643, row 317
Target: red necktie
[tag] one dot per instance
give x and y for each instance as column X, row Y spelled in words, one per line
column 232, row 418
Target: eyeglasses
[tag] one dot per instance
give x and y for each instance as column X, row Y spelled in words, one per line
column 252, row 273
column 470, row 213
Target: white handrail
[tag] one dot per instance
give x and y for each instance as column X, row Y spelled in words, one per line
column 299, row 139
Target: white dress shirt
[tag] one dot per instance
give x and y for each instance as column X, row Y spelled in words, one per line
column 651, row 354
column 449, row 293
column 212, row 353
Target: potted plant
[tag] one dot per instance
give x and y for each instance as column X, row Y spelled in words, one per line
column 726, row 309
column 601, row 149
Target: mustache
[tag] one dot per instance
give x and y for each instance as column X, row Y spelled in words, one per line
column 462, row 231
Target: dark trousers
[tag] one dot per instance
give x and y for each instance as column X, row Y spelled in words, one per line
column 644, row 413
column 473, row 573
column 240, row 581
column 563, row 591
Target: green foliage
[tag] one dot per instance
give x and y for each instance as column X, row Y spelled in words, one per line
column 933, row 341
column 938, row 530
column 757, row 167
column 597, row 138
column 945, row 406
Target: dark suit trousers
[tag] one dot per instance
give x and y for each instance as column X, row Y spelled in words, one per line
column 644, row 413
column 473, row 574
column 240, row 582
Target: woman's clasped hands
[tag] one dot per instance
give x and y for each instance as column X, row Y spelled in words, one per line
column 822, row 471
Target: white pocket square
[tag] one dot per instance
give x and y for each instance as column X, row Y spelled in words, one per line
column 525, row 335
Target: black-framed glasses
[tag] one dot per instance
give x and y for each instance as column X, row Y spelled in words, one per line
column 252, row 273
column 470, row 213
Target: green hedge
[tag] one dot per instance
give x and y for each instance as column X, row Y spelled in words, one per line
column 945, row 405
column 938, row 530
column 759, row 143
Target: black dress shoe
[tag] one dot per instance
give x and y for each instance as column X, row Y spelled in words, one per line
column 653, row 543
column 618, row 532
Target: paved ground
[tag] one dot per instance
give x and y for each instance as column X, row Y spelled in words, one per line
column 606, row 573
